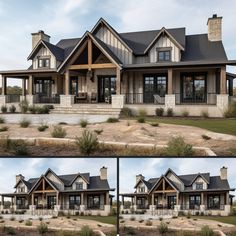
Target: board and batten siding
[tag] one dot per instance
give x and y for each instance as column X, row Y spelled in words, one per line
column 115, row 45
column 164, row 42
column 45, row 52
column 55, row 180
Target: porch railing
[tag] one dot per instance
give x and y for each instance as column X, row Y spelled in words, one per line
column 164, row 207
column 55, row 99
column 78, row 207
column 22, row 207
column 209, row 99
column 141, row 206
column 190, row 207
column 13, row 98
column 143, row 98
column 217, row 207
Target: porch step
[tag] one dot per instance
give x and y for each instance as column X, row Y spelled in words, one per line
column 87, row 109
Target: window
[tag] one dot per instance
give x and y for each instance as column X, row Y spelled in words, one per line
column 43, row 62
column 163, row 55
column 94, row 202
column 214, row 201
column 79, row 186
column 194, row 202
column 199, row 186
column 43, row 86
column 141, row 189
column 74, row 201
column 22, row 189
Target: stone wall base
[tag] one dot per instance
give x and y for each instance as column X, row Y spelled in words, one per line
column 117, row 101
column 66, row 100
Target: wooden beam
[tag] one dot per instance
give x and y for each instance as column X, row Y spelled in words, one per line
column 92, row 66
column 165, row 191
column 90, row 53
column 45, row 191
column 170, row 81
column 4, row 83
column 118, row 81
column 30, row 85
column 67, row 82
column 43, row 185
column 223, row 80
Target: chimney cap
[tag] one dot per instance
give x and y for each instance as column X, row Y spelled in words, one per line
column 214, row 16
column 41, row 32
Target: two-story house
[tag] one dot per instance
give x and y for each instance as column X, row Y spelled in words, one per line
column 51, row 193
column 197, row 193
column 149, row 69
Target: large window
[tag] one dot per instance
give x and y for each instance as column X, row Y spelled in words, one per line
column 194, row 202
column 74, row 201
column 193, row 88
column 43, row 62
column 43, row 87
column 94, row 201
column 214, row 201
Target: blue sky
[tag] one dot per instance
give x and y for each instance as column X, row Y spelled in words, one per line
column 71, row 18
column 155, row 167
column 35, row 167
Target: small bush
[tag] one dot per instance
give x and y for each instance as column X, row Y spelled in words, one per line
column 21, row 221
column 3, row 129
column 42, row 127
column 155, row 124
column 12, row 218
column 12, row 109
column 126, row 112
column 185, row 113
column 98, row 131
column 141, row 119
column 112, row 120
column 24, row 123
column 42, row 228
column 205, row 114
column 148, row 223
column 177, row 147
column 159, row 111
column 4, row 109
column 43, row 110
column 9, row 230
column 32, row 109
column 88, row 142
column 206, row 137
column 28, row 223
column 163, row 228
column 86, row 231
column 2, row 120
column 170, row 112
column 19, row 147
column 142, row 113
column 24, row 105
column 206, row 231
column 231, row 111
column 58, row 132
column 62, row 123
column 83, row 123
column 40, row 218
column 132, row 218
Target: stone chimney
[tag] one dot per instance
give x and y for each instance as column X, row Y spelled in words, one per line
column 223, row 173
column 214, row 28
column 18, row 177
column 36, row 37
column 103, row 173
column 138, row 177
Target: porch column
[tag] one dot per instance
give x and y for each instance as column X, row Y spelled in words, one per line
column 23, row 87
column 170, row 81
column 153, row 199
column 227, row 198
column 231, row 87
column 14, row 205
column 202, row 206
column 82, row 198
column 223, row 80
column 30, row 85
column 32, row 199
column 2, row 202
column 57, row 199
column 107, row 199
column 4, row 85
column 118, row 81
column 67, row 82
column 177, row 198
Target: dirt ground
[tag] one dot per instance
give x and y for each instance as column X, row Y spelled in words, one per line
column 181, row 224
column 131, row 131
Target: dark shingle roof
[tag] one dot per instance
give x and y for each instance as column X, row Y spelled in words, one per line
column 187, row 179
column 56, row 51
column 217, row 183
column 97, row 183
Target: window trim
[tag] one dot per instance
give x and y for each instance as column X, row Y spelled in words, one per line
column 164, row 49
column 199, row 183
column 44, row 59
column 78, row 184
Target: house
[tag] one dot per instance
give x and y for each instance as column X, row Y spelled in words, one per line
column 51, row 193
column 170, row 194
column 163, row 68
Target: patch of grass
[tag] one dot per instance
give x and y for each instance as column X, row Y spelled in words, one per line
column 206, row 231
column 12, row 109
column 154, row 124
column 177, row 147
column 42, row 228
column 4, row 129
column 32, row 109
column 222, row 219
column 88, row 142
column 159, row 111
column 28, row 223
column 2, row 120
column 4, row 109
column 62, row 123
column 112, row 120
column 101, row 219
column 19, row 147
column 231, row 112
column 86, row 231
column 132, row 218
column 24, row 123
column 9, row 230
column 42, row 127
column 58, row 132
column 142, row 112
column 98, row 131
column 205, row 137
column 83, row 123
column 12, row 218
column 163, row 228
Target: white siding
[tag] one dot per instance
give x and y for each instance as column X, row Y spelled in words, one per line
column 164, row 41
column 79, row 180
column 55, row 180
column 115, row 45
column 175, row 180
column 141, row 185
column 21, row 185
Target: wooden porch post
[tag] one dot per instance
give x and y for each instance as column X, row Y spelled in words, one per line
column 122, row 201
column 202, row 198
column 135, row 200
column 57, row 199
column 223, row 80
column 67, row 82
column 32, row 199
column 170, row 82
column 177, row 198
column 30, row 85
column 118, row 81
column 153, row 199
column 4, row 83
column 23, row 87
column 107, row 199
column 90, row 57
column 82, row 198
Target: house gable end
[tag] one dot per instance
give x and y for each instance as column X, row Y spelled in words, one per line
column 55, row 179
column 170, row 174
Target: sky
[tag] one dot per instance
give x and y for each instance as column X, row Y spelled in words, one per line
column 155, row 167
column 71, row 18
column 35, row 167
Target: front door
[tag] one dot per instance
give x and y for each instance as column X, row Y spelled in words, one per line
column 171, row 202
column 43, row 86
column 74, row 85
column 51, row 202
column 106, row 88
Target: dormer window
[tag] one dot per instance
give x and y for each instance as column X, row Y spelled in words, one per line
column 79, row 186
column 199, row 186
column 43, row 62
column 22, row 189
column 163, row 54
column 141, row 189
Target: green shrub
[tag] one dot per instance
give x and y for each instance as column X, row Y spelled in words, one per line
column 141, row 119
column 132, row 218
column 170, row 112
column 88, row 142
column 86, row 231
column 159, row 111
column 21, row 221
column 9, row 230
column 12, row 109
column 2, row 120
column 32, row 109
column 24, row 105
column 62, row 123
column 42, row 110
column 148, row 223
column 83, row 123
column 98, row 131
column 155, row 124
column 206, row 137
column 231, row 111
column 3, row 129
column 42, row 127
column 19, row 147
column 42, row 228
column 142, row 113
column 4, row 109
column 185, row 113
column 58, row 132
column 206, row 231
column 177, row 147
column 12, row 218
column 40, row 218
column 28, row 223
column 205, row 114
column 112, row 120
column 24, row 123
column 126, row 112
column 163, row 228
